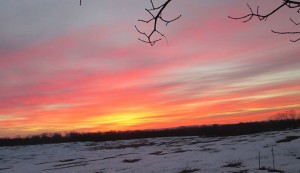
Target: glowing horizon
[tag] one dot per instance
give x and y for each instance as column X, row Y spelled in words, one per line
column 69, row 68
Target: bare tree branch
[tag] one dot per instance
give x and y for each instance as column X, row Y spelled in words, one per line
column 156, row 14
column 248, row 17
column 286, row 3
column 294, row 40
column 294, row 22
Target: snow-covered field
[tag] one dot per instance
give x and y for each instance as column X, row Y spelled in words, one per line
column 237, row 154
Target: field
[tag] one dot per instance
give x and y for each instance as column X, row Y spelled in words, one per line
column 235, row 154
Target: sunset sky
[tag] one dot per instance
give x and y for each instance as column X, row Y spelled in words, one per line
column 65, row 67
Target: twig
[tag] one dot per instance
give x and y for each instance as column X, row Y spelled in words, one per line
column 288, row 3
column 285, row 33
column 294, row 22
column 273, row 159
column 258, row 159
column 154, row 18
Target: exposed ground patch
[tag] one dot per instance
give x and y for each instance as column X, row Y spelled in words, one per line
column 157, row 153
column 62, row 161
column 241, row 171
column 123, row 146
column 131, row 160
column 288, row 139
column 1, row 169
column 236, row 164
column 270, row 169
column 188, row 170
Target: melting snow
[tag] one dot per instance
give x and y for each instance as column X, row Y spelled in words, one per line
column 237, row 154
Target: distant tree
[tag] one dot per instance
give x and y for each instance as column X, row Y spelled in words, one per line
column 286, row 115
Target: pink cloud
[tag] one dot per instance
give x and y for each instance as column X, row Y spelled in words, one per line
column 198, row 79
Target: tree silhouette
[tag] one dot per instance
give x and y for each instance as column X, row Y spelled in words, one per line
column 286, row 115
column 291, row 4
column 156, row 14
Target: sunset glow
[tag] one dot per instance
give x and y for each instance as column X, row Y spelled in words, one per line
column 65, row 67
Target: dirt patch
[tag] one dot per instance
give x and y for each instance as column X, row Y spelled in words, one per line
column 123, row 146
column 193, row 143
column 181, row 151
column 131, row 160
column 64, row 167
column 157, row 153
column 67, row 160
column 270, row 169
column 91, row 144
column 1, row 169
column 210, row 150
column 188, row 170
column 288, row 139
column 61, row 161
column 241, row 171
column 209, row 141
column 113, row 157
column 269, row 146
column 71, row 163
column 237, row 164
column 239, row 140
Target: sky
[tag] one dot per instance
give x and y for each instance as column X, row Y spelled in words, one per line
column 65, row 67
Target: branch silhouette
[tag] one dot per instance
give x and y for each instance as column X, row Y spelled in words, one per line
column 286, row 3
column 156, row 15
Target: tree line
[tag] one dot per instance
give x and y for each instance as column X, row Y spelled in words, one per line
column 280, row 121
